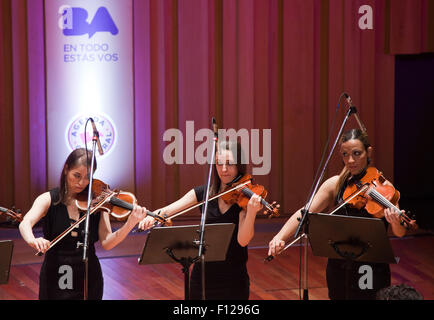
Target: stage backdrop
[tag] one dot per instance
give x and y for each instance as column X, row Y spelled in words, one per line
column 253, row 64
column 89, row 73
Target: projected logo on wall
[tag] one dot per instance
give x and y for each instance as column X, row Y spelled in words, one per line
column 75, row 136
column 73, row 22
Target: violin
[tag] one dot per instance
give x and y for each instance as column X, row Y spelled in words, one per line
column 15, row 215
column 241, row 196
column 370, row 193
column 377, row 196
column 119, row 204
column 239, row 185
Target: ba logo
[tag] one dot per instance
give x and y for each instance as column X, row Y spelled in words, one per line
column 73, row 21
column 76, row 137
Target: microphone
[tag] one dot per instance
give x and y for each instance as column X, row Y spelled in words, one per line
column 354, row 111
column 96, row 136
column 214, row 127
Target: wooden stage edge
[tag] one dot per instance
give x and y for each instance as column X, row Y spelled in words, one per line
column 280, row 279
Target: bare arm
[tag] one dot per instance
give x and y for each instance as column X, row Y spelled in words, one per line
column 393, row 218
column 323, row 199
column 110, row 239
column 37, row 212
column 186, row 201
column 246, row 226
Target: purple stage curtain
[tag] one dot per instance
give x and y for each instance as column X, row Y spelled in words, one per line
column 253, row 64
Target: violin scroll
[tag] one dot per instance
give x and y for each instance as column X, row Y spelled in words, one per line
column 14, row 214
column 273, row 210
column 408, row 220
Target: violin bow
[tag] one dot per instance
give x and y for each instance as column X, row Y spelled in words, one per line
column 195, row 205
column 344, row 202
column 110, row 196
column 212, row 198
column 77, row 223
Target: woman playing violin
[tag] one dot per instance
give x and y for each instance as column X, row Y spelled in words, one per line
column 62, row 272
column 356, row 153
column 227, row 279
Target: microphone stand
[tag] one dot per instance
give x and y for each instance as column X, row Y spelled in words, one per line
column 201, row 254
column 305, row 211
column 85, row 243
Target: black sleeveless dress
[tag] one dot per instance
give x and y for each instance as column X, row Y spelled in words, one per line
column 62, row 273
column 355, row 287
column 224, row 280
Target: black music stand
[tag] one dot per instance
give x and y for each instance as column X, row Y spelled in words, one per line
column 6, row 248
column 349, row 238
column 180, row 244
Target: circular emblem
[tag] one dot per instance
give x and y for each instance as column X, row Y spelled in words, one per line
column 76, row 137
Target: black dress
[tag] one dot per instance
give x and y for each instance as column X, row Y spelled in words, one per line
column 224, row 280
column 356, row 287
column 62, row 272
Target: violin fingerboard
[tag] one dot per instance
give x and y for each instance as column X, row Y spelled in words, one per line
column 249, row 193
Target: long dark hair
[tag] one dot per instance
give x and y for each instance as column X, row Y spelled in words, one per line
column 76, row 158
column 235, row 148
column 350, row 135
